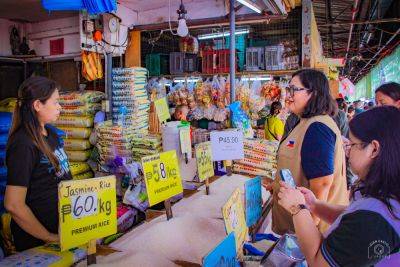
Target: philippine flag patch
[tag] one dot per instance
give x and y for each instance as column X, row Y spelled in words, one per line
column 290, row 144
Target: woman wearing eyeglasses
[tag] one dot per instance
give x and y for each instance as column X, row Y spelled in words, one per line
column 367, row 232
column 313, row 150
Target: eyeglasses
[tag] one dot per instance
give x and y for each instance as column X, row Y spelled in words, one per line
column 291, row 89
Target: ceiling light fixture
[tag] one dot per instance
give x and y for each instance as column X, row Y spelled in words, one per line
column 250, row 5
column 221, row 34
column 183, row 30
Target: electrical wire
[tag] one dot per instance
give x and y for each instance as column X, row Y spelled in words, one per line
column 169, row 18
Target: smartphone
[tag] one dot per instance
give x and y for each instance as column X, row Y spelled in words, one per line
column 286, row 176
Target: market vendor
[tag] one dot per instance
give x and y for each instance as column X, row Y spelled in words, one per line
column 388, row 94
column 274, row 126
column 181, row 113
column 367, row 232
column 313, row 150
column 36, row 163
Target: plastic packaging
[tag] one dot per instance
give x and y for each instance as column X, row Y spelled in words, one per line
column 76, row 144
column 76, row 132
column 78, row 156
column 240, row 120
column 78, row 167
column 75, row 121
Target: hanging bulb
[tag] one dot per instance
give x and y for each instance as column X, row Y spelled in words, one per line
column 183, row 30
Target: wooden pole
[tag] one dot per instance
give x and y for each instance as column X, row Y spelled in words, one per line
column 168, row 209
column 91, row 252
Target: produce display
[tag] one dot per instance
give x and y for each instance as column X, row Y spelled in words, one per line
column 5, row 125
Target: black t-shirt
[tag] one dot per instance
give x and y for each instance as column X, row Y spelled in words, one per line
column 27, row 166
column 353, row 242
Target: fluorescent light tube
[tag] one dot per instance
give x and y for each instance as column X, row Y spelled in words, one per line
column 222, row 34
column 250, row 5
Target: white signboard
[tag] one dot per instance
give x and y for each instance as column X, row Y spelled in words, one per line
column 227, row 145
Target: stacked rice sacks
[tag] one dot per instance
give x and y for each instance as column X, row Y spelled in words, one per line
column 259, row 158
column 113, row 141
column 76, row 120
column 5, row 125
column 145, row 145
column 130, row 102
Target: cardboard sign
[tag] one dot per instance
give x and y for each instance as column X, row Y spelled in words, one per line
column 227, row 145
column 234, row 219
column 87, row 210
column 162, row 109
column 162, row 176
column 253, row 200
column 185, row 142
column 205, row 165
column 223, row 255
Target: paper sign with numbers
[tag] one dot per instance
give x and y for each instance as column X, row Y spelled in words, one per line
column 234, row 219
column 205, row 165
column 227, row 145
column 162, row 176
column 185, row 142
column 223, row 255
column 87, row 210
column 162, row 109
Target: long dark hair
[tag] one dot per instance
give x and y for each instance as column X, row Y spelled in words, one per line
column 382, row 181
column 276, row 108
column 32, row 89
column 321, row 101
column 391, row 89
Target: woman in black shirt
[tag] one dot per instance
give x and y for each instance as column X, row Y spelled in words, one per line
column 36, row 163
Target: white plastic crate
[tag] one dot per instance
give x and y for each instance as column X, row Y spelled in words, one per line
column 274, row 57
column 254, row 58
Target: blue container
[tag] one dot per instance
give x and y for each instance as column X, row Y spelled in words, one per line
column 62, row 4
column 3, row 185
column 2, row 157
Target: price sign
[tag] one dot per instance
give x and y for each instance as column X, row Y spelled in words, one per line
column 205, row 165
column 185, row 142
column 162, row 109
column 162, row 176
column 87, row 210
column 223, row 255
column 235, row 221
column 227, row 145
column 253, row 200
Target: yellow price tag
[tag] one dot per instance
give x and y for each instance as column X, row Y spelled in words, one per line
column 162, row 109
column 235, row 221
column 162, row 176
column 205, row 165
column 87, row 210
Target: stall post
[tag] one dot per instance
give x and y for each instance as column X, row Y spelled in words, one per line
column 232, row 65
column 108, row 81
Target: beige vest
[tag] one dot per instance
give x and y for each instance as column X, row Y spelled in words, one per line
column 289, row 157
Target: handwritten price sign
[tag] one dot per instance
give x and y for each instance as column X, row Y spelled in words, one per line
column 162, row 109
column 253, row 200
column 205, row 165
column 87, row 210
column 235, row 221
column 227, row 145
column 223, row 255
column 162, row 176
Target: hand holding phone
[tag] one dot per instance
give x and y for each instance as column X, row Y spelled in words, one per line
column 286, row 176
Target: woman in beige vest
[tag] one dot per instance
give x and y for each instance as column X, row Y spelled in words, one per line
column 313, row 150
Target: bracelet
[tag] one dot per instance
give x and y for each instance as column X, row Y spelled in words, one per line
column 300, row 207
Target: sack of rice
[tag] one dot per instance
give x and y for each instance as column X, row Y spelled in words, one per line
column 76, row 144
column 75, row 121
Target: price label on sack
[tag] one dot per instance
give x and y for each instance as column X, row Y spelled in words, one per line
column 185, row 142
column 87, row 210
column 253, row 200
column 205, row 165
column 162, row 176
column 235, row 221
column 162, row 109
column 227, row 145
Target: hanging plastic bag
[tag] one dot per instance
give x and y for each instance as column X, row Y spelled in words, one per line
column 91, row 66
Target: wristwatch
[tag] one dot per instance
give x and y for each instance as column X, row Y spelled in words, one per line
column 297, row 208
